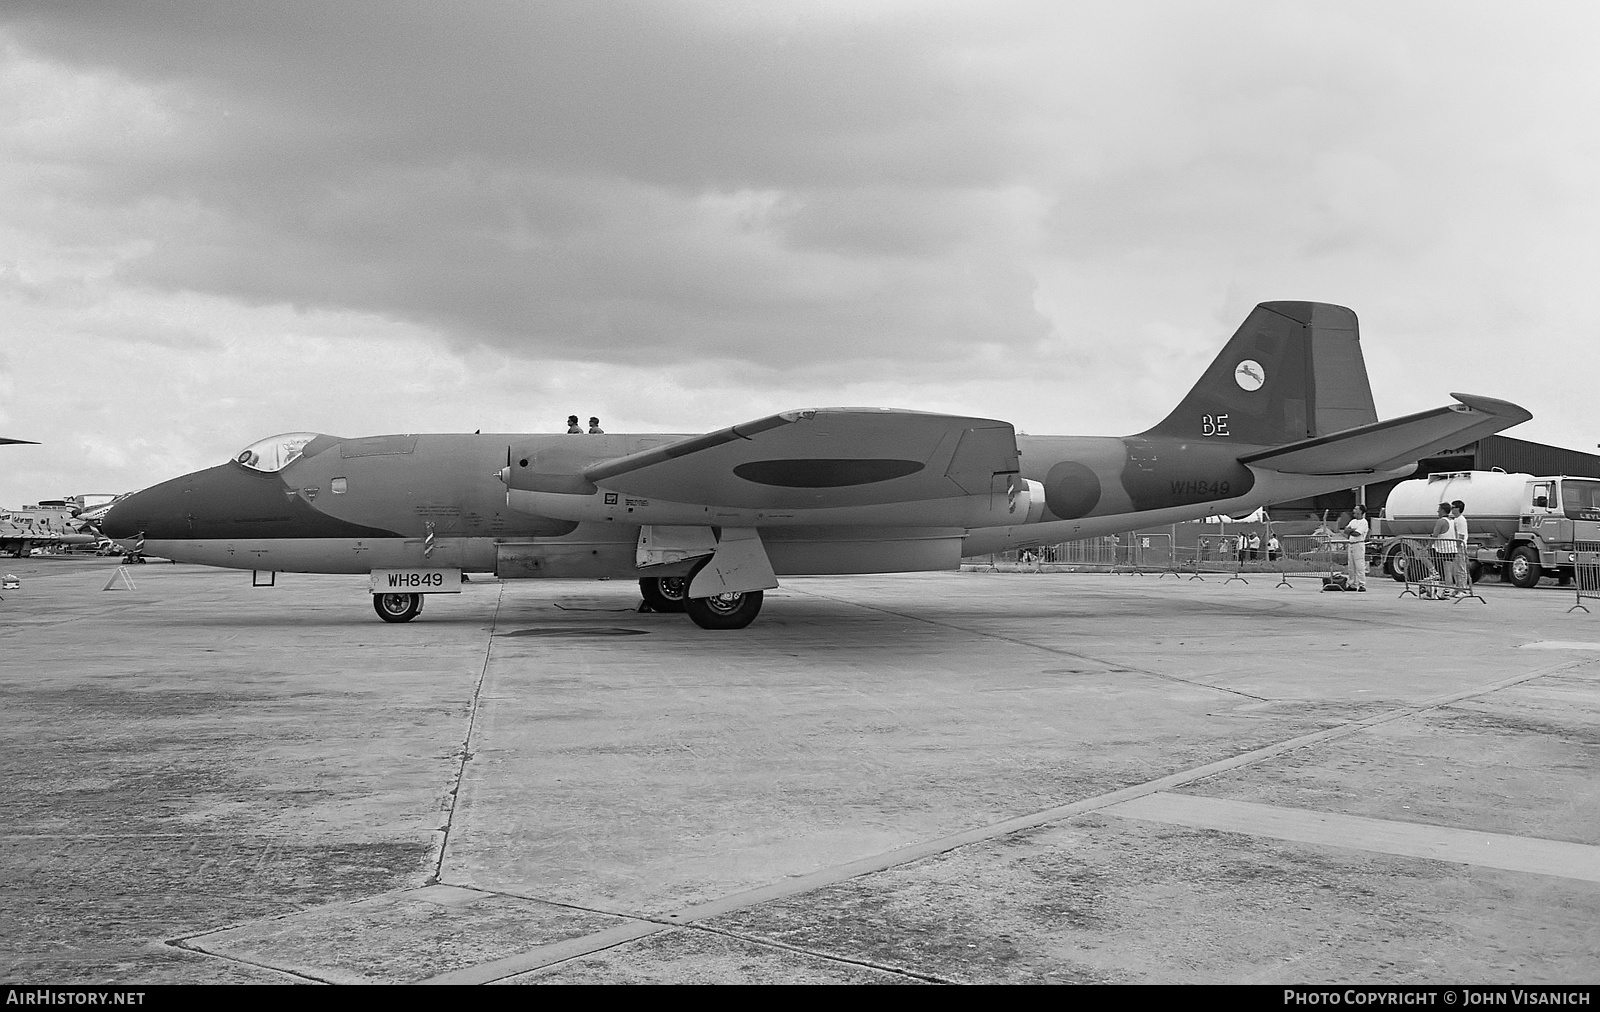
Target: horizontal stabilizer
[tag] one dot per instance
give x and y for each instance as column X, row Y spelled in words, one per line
column 821, row 458
column 1387, row 445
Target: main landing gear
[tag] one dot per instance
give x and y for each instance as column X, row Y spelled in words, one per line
column 664, row 593
column 724, row 611
column 721, row 611
column 397, row 607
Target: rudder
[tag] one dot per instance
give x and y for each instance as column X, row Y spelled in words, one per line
column 1292, row 371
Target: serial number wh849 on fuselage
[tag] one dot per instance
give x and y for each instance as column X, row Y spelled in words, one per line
column 416, row 581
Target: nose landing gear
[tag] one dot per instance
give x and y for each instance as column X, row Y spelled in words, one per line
column 397, row 607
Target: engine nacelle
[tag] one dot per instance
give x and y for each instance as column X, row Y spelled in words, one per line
column 1026, row 504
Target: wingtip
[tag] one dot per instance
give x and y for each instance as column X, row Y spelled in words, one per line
column 1494, row 406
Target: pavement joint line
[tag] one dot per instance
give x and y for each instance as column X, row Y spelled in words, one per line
column 125, row 836
column 619, row 914
column 466, row 742
column 572, row 948
column 828, row 956
column 182, row 945
column 1035, row 646
column 752, row 939
column 1422, row 840
column 549, row 954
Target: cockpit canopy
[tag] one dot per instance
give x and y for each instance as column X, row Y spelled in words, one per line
column 275, row 452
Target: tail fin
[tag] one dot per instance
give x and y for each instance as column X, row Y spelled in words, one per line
column 1292, row 371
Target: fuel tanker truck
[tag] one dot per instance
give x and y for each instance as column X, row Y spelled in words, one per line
column 1519, row 525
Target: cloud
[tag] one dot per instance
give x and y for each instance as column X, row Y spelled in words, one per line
column 606, row 181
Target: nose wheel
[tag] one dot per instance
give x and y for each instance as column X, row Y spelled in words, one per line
column 397, row 607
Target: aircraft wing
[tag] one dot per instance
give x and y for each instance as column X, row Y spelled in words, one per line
column 1386, row 445
column 822, row 457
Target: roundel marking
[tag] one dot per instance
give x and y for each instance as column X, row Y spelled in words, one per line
column 1071, row 490
column 1249, row 374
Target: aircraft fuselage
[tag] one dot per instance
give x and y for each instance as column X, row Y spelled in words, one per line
column 438, row 500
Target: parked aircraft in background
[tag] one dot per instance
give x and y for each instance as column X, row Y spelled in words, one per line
column 709, row 522
column 48, row 525
column 91, row 507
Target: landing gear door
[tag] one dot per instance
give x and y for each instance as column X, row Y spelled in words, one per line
column 660, row 545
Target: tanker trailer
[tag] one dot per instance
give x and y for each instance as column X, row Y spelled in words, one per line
column 1521, row 525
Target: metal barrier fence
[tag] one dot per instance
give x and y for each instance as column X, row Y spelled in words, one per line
column 1432, row 569
column 1088, row 552
column 1144, row 551
column 1133, row 553
column 1586, row 574
column 1200, row 562
column 1299, row 554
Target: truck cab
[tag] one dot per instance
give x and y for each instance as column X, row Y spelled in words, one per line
column 1559, row 515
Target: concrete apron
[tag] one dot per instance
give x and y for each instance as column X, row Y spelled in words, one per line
column 950, row 777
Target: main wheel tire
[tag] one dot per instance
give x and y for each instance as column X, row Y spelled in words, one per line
column 1523, row 569
column 664, row 593
column 724, row 611
column 397, row 607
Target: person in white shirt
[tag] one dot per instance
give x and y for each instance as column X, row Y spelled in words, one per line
column 1458, row 523
column 1356, row 531
column 1444, row 546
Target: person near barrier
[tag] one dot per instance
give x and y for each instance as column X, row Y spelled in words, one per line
column 1205, row 550
column 1356, row 531
column 1443, row 546
column 1255, row 547
column 1273, row 548
column 1458, row 523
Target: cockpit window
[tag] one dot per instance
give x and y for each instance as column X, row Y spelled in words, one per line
column 275, row 452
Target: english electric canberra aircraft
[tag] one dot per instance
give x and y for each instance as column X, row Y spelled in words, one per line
column 708, row 522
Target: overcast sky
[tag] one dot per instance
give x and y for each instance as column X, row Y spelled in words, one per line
column 223, row 221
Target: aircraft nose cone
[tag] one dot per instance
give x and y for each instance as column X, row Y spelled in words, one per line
column 120, row 521
column 188, row 506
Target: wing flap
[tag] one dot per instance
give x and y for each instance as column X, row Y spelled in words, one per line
column 821, row 458
column 1391, row 444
